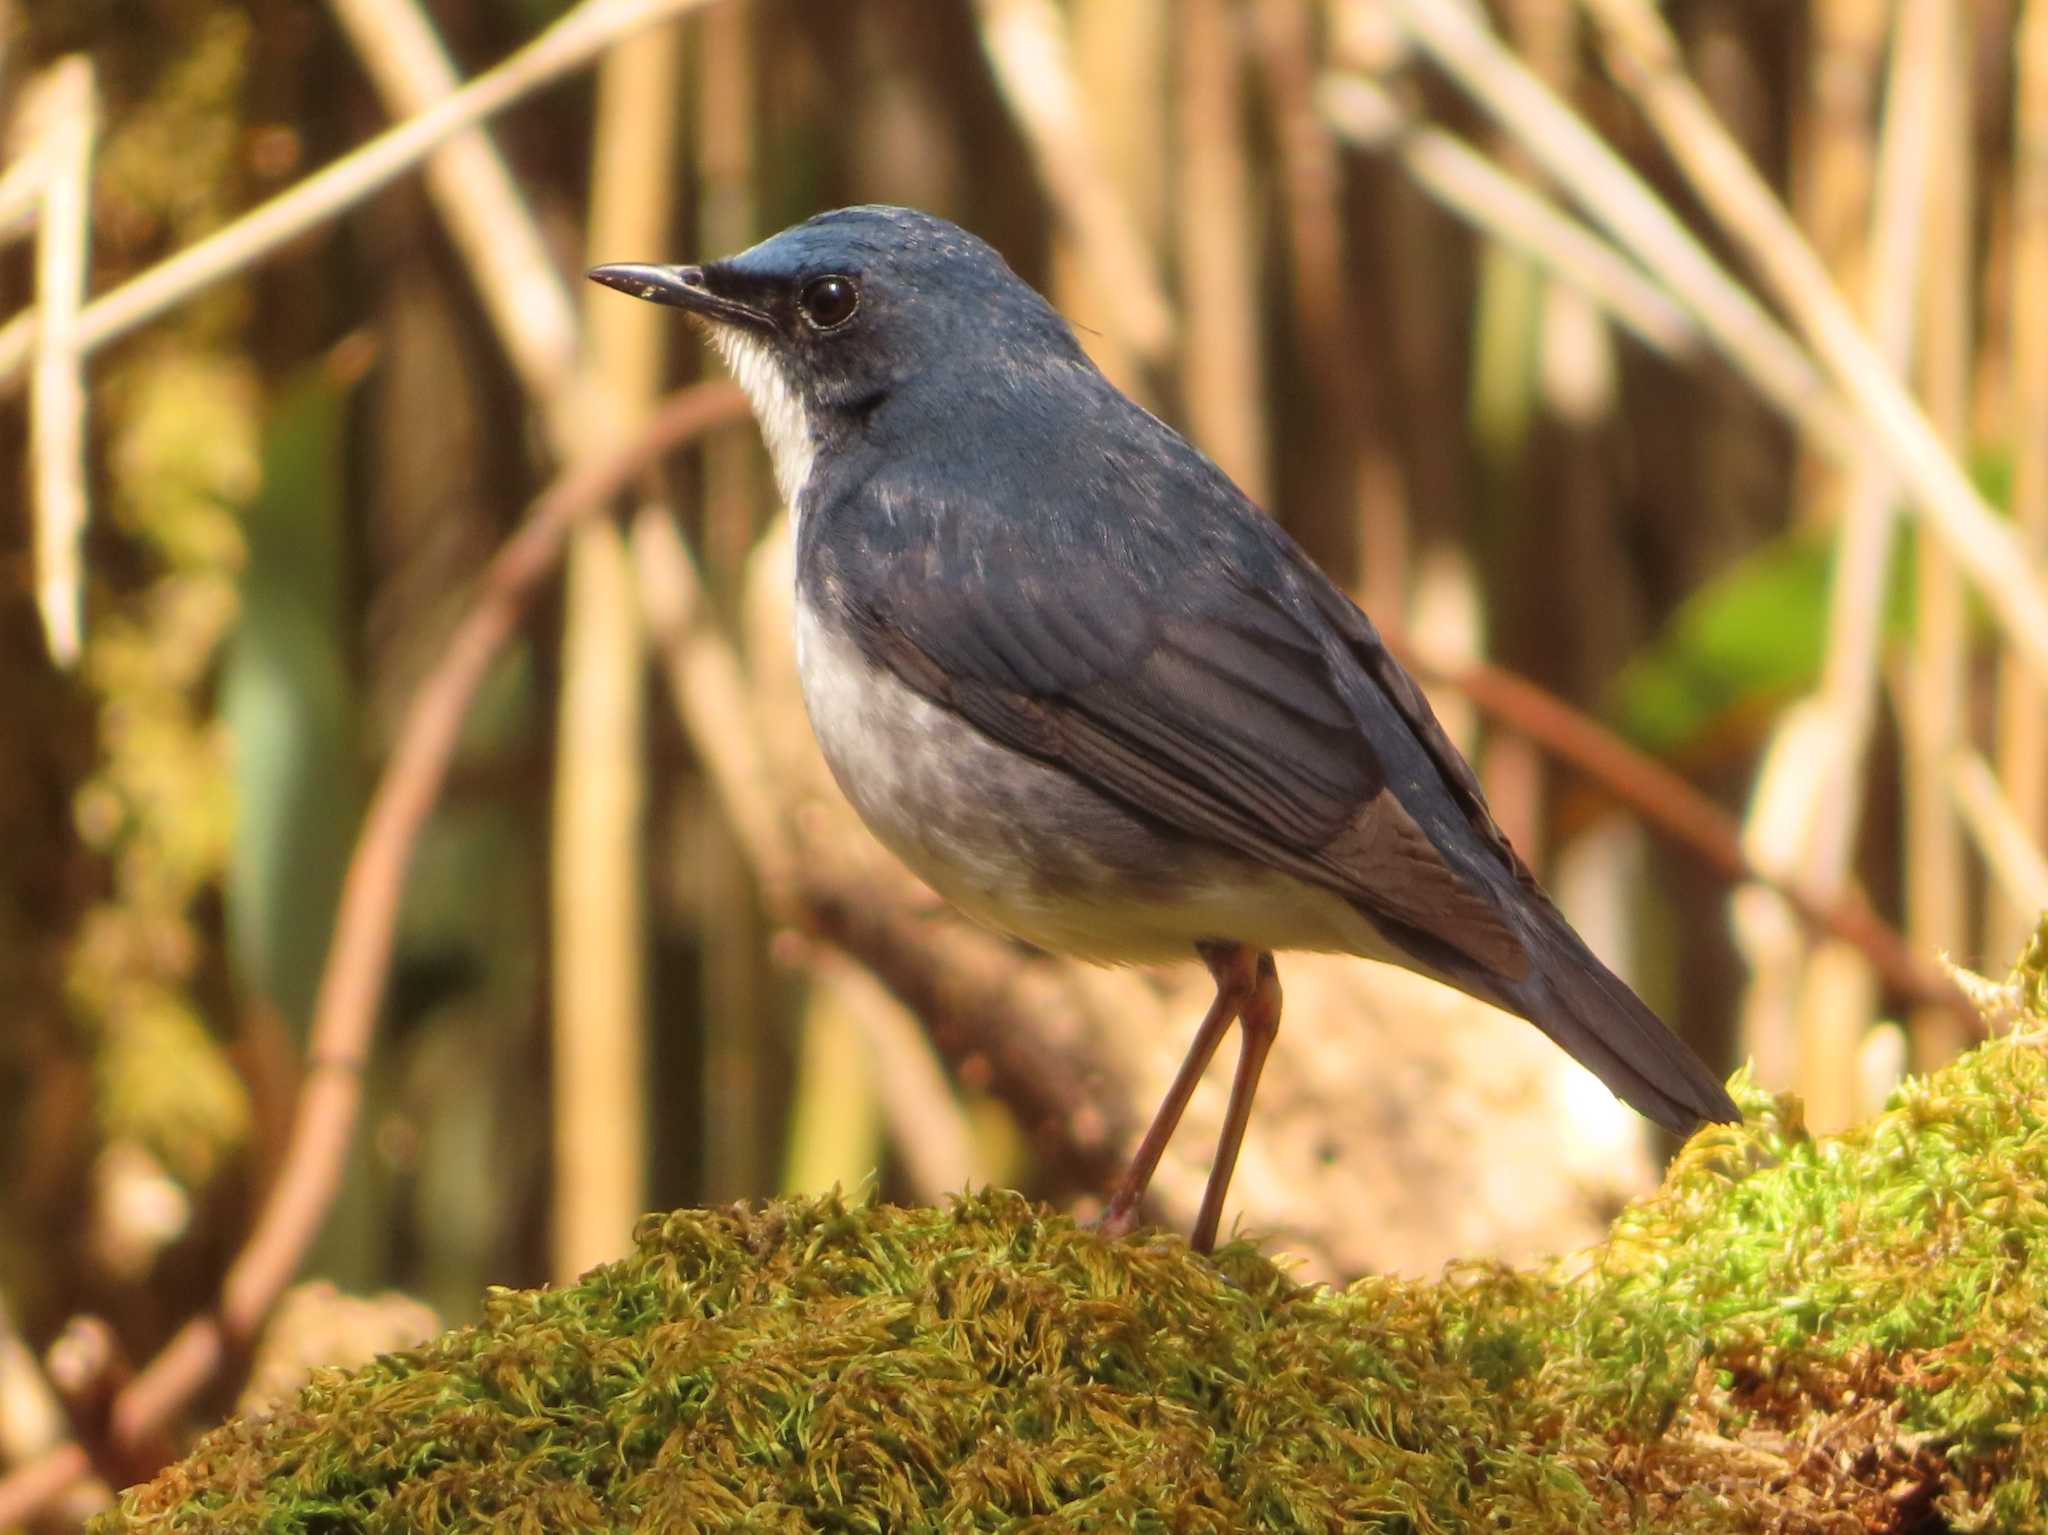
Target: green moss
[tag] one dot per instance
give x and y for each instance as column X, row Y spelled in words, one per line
column 1795, row 1334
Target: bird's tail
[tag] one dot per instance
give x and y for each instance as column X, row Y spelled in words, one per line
column 1608, row 1029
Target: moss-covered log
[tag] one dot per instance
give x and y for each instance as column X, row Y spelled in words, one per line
column 1796, row 1334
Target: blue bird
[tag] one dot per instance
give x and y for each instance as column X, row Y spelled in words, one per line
column 1073, row 677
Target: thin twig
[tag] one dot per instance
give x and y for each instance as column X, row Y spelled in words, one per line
column 1643, row 54
column 566, row 46
column 26, row 1492
column 358, row 959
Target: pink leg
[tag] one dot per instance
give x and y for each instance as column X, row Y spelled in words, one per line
column 1260, row 1022
column 1235, row 968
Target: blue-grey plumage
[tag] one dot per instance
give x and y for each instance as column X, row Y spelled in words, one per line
column 1071, row 675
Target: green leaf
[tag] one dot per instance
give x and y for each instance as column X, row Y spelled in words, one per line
column 1750, row 638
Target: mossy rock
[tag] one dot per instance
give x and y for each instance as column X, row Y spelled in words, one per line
column 1796, row 1334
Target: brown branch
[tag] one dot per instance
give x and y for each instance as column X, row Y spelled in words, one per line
column 27, row 1491
column 352, row 984
column 1685, row 817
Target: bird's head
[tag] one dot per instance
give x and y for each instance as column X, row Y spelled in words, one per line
column 831, row 320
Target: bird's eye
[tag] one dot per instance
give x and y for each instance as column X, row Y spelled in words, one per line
column 828, row 302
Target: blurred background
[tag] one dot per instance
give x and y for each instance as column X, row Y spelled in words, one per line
column 413, row 860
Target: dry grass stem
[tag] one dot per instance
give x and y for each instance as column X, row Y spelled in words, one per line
column 1834, row 172
column 1645, row 57
column 566, row 46
column 1027, row 48
column 1364, row 538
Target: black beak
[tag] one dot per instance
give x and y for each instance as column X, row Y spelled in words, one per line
column 681, row 287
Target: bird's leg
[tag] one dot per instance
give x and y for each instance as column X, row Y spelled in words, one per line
column 1259, row 1023
column 1235, row 968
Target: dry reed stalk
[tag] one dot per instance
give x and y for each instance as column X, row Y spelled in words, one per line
column 1222, row 357
column 1581, row 162
column 733, row 990
column 727, row 220
column 1518, row 216
column 2022, row 712
column 931, row 1132
column 1834, row 170
column 1026, row 44
column 834, row 1113
column 63, row 112
column 1362, row 536
column 1814, row 773
column 597, row 975
column 597, row 880
column 1935, row 685
column 1643, row 55
column 2012, row 852
column 475, row 195
column 1122, row 56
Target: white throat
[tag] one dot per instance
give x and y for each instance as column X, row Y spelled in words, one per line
column 780, row 413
